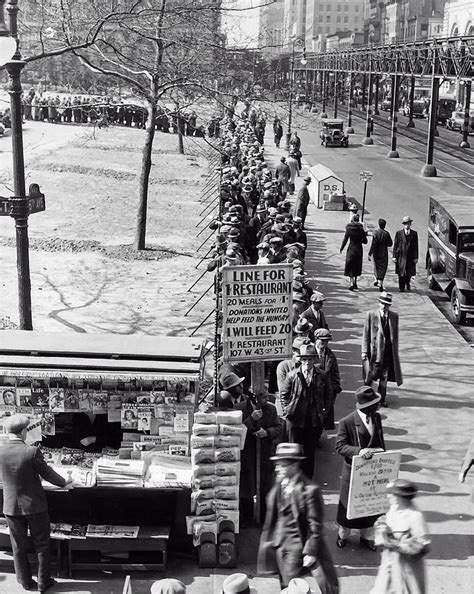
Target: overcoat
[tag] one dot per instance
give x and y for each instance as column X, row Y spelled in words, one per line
column 318, row 320
column 308, row 511
column 381, row 241
column 296, row 408
column 301, row 202
column 329, row 364
column 405, row 251
column 271, row 422
column 373, row 342
column 356, row 236
column 352, row 437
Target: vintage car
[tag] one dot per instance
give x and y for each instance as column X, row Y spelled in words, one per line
column 386, row 104
column 456, row 121
column 450, row 253
column 419, row 108
column 332, row 133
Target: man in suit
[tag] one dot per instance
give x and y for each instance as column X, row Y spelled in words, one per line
column 292, row 539
column 314, row 314
column 328, row 363
column 287, row 365
column 379, row 350
column 24, row 503
column 359, row 433
column 305, row 397
column 405, row 254
column 302, row 201
column 283, row 174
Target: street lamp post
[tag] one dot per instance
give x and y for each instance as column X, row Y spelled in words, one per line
column 20, row 206
column 300, row 42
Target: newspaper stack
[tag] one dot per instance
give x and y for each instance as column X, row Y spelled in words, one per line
column 114, row 472
column 109, row 531
column 216, row 442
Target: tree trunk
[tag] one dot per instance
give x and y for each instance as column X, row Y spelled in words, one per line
column 140, row 232
column 180, row 134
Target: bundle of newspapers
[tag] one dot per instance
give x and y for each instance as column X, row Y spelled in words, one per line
column 120, row 473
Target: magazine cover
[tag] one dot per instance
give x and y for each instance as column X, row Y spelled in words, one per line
column 145, row 414
column 129, row 416
column 165, row 413
column 176, row 389
column 182, row 421
column 23, row 397
column 56, row 399
column 78, row 531
column 108, row 452
column 48, row 424
column 61, row 530
column 51, row 455
column 99, row 402
column 144, row 398
column 6, row 411
column 71, row 456
column 114, row 407
column 85, row 400
column 40, row 394
column 8, row 396
column 130, row 397
column 71, row 400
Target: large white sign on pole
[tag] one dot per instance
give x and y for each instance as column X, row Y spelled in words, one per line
column 257, row 312
column 368, row 484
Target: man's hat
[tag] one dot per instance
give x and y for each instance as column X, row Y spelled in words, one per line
column 288, row 451
column 297, row 263
column 237, row 583
column 402, row 488
column 267, row 185
column 297, row 296
column 297, row 221
column 272, row 211
column 317, row 297
column 280, row 218
column 282, row 159
column 261, row 208
column 168, row 586
column 307, row 178
column 299, row 341
column 385, row 298
column 233, row 232
column 303, row 326
column 322, row 334
column 366, row 396
column 297, row 586
column 407, row 220
column 308, row 351
column 353, row 207
column 263, row 245
column 231, row 380
column 276, row 240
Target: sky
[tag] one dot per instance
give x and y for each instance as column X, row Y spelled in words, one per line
column 241, row 23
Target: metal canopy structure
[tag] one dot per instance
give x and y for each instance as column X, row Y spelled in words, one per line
column 450, row 58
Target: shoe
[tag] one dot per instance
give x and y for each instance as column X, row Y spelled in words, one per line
column 351, row 288
column 381, row 288
column 401, row 290
column 50, row 583
column 376, row 284
column 368, row 544
column 341, row 542
column 408, row 288
column 31, row 586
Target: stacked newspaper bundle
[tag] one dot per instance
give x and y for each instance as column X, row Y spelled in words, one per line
column 167, row 471
column 114, row 472
column 109, row 531
column 216, row 442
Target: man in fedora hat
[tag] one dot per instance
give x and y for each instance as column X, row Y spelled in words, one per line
column 359, row 433
column 405, row 254
column 380, row 360
column 233, row 386
column 283, row 174
column 302, row 201
column 305, row 397
column 292, row 539
column 287, row 365
column 314, row 314
column 327, row 361
column 24, row 502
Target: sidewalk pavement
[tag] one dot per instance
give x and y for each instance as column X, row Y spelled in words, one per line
column 430, row 420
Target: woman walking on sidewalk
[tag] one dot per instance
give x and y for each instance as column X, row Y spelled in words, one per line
column 356, row 236
column 381, row 241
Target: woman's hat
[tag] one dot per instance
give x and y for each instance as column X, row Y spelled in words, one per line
column 303, row 326
column 366, row 396
column 402, row 488
column 288, row 451
column 231, row 380
column 237, row 583
column 385, row 298
column 407, row 220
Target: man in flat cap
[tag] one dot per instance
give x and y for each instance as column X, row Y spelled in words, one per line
column 24, row 502
column 314, row 314
column 405, row 254
column 302, row 201
column 327, row 361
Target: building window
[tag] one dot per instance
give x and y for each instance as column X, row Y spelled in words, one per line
column 346, row 8
column 356, row 19
column 321, row 7
column 339, row 8
column 328, row 7
column 356, row 8
column 346, row 19
column 328, row 29
column 320, row 18
column 338, row 19
column 328, row 18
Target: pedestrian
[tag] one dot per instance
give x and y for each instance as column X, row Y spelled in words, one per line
column 287, row 365
column 302, row 201
column 24, row 503
column 300, row 235
column 294, row 171
column 356, row 236
column 233, row 388
column 277, row 132
column 292, row 539
column 403, row 534
column 264, row 426
column 282, row 174
column 381, row 241
column 295, row 141
column 305, row 397
column 327, row 362
column 467, row 463
column 314, row 314
column 358, row 434
column 353, row 210
column 405, row 254
column 380, row 359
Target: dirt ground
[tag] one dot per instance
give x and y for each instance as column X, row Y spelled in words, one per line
column 84, row 275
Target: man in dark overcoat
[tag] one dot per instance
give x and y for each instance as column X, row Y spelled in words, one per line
column 314, row 314
column 282, row 175
column 327, row 361
column 287, row 365
column 292, row 539
column 305, row 397
column 263, row 425
column 405, row 254
column 381, row 241
column 302, row 201
column 359, row 433
column 24, row 503
column 379, row 350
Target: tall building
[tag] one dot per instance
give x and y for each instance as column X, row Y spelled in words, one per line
column 271, row 29
column 458, row 18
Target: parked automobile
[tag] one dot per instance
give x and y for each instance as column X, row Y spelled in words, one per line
column 386, row 104
column 456, row 121
column 445, row 109
column 332, row 133
column 419, row 108
column 450, row 253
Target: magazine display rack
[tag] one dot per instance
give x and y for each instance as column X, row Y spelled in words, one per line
column 144, row 391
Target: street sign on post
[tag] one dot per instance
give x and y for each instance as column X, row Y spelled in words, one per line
column 5, row 207
column 257, row 312
column 365, row 176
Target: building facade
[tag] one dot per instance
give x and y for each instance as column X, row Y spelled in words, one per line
column 458, row 18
